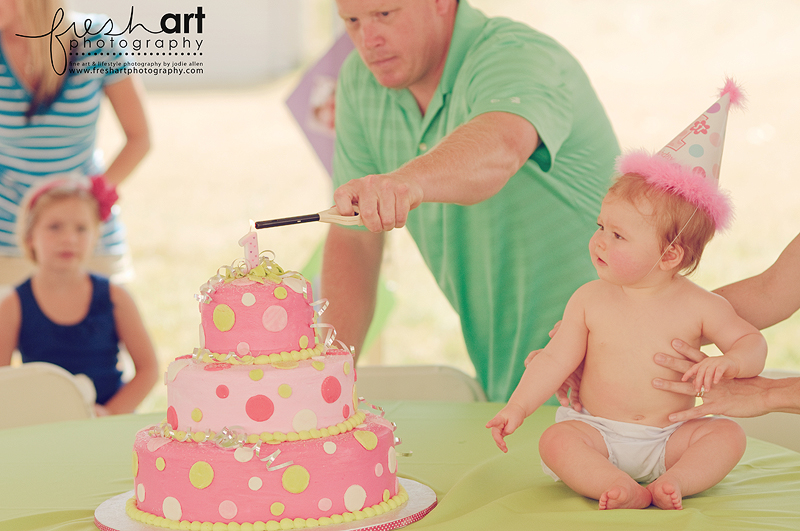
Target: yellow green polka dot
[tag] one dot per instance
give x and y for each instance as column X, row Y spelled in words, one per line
column 160, row 464
column 367, row 439
column 386, row 495
column 346, row 367
column 286, row 364
column 256, row 374
column 318, row 365
column 276, row 509
column 303, row 341
column 135, row 464
column 201, row 475
column 285, row 390
column 295, row 479
column 223, row 317
column 197, row 415
column 280, row 292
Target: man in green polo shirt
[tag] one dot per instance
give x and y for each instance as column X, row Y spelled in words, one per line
column 484, row 138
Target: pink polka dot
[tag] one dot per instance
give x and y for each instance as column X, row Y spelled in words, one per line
column 275, row 318
column 216, row 366
column 331, row 389
column 172, row 417
column 223, row 391
column 714, row 108
column 346, row 411
column 259, row 408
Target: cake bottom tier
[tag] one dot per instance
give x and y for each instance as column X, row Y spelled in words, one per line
column 338, row 478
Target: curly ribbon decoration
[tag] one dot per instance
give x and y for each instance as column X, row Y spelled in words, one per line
column 270, row 458
column 379, row 409
column 331, row 333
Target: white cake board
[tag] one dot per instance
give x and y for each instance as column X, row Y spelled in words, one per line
column 111, row 515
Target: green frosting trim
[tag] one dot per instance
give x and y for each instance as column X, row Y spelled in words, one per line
column 206, row 356
column 270, row 525
column 165, row 430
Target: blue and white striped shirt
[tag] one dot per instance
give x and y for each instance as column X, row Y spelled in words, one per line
column 60, row 139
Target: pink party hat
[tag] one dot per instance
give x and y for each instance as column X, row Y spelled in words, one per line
column 689, row 165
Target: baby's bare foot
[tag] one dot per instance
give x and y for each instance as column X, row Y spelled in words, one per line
column 666, row 494
column 625, row 497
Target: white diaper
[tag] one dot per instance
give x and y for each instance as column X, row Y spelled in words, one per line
column 635, row 449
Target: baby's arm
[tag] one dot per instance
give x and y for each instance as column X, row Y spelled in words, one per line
column 133, row 335
column 11, row 319
column 546, row 372
column 744, row 348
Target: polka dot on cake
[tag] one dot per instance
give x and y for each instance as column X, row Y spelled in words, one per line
column 157, row 442
column 284, row 390
column 295, row 479
column 346, row 411
column 275, row 318
column 367, row 439
column 378, row 470
column 201, row 475
column 329, row 447
column 280, row 293
column 295, row 284
column 172, row 417
column 259, row 408
column 386, row 495
column 243, row 348
column 331, row 389
column 243, row 454
column 304, row 420
column 197, row 415
column 228, row 509
column 354, row 498
column 160, row 464
column 277, row 509
column 223, row 317
column 392, row 460
column 248, row 299
column 346, row 368
column 223, row 391
column 135, row 464
column 171, row 508
column 140, row 492
column 318, row 365
column 255, row 483
column 256, row 374
column 325, row 504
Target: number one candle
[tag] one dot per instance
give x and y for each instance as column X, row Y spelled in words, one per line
column 250, row 243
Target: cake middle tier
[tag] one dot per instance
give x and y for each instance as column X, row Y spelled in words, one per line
column 284, row 397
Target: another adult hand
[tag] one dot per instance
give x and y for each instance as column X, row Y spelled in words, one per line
column 741, row 397
column 384, row 201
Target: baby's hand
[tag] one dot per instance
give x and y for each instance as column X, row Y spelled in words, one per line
column 710, row 371
column 505, row 423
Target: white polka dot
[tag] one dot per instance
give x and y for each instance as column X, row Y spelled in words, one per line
column 354, row 498
column 305, row 419
column 140, row 492
column 243, row 348
column 329, row 447
column 248, row 299
column 325, row 504
column 392, row 460
column 255, row 483
column 228, row 509
column 157, row 442
column 275, row 318
column 175, row 367
column 243, row 454
column 171, row 508
column 296, row 284
column 379, row 470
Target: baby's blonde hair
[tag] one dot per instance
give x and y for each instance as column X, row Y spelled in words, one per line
column 43, row 196
column 676, row 220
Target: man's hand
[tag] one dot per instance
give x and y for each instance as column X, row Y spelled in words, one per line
column 384, row 201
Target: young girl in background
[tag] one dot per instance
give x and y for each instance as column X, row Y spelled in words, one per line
column 65, row 315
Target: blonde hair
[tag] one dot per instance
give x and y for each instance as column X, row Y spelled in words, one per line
column 45, row 56
column 42, row 197
column 676, row 220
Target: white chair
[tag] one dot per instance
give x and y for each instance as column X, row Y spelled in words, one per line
column 417, row 382
column 36, row 393
column 778, row 428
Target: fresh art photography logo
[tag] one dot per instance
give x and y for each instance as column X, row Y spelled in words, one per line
column 92, row 46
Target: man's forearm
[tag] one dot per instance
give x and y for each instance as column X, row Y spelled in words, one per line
column 349, row 280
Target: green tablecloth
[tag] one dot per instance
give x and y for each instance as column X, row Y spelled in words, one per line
column 54, row 476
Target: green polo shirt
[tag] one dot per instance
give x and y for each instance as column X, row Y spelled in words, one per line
column 509, row 264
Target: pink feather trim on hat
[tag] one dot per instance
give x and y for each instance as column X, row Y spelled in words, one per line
column 734, row 92
column 682, row 181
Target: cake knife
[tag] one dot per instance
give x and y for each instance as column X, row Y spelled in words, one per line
column 326, row 216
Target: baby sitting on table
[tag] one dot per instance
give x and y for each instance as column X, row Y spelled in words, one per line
column 654, row 224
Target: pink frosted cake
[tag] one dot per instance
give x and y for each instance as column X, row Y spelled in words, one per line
column 263, row 429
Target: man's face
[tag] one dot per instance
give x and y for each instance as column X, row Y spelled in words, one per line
column 403, row 42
